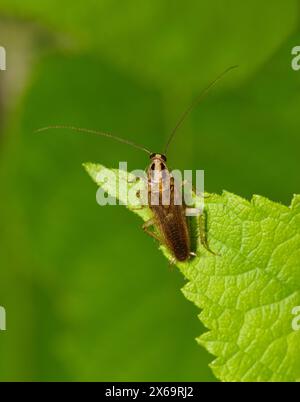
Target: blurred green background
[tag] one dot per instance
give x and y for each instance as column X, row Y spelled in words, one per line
column 79, row 305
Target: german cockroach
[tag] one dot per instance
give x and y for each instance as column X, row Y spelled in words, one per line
column 169, row 218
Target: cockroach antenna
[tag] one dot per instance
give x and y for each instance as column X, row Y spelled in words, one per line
column 89, row 131
column 171, row 222
column 201, row 96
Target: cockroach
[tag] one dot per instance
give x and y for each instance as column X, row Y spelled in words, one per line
column 169, row 219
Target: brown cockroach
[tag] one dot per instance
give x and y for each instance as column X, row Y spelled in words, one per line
column 169, row 219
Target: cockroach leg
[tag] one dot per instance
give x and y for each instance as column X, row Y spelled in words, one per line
column 202, row 234
column 147, row 225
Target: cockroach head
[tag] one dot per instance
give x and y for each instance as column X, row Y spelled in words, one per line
column 156, row 155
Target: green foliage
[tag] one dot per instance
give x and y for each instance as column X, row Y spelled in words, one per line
column 247, row 292
column 129, row 68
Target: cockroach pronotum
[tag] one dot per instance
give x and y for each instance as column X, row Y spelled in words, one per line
column 169, row 218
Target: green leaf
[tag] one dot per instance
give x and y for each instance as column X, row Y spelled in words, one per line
column 247, row 292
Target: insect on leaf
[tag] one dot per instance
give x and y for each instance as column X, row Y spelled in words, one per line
column 247, row 292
